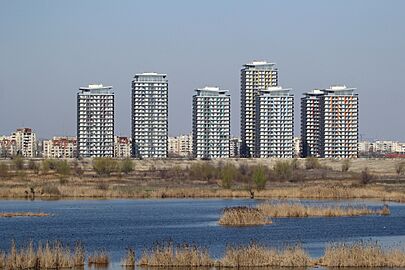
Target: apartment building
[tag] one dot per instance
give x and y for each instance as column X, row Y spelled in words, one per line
column 181, row 146
column 310, row 123
column 25, row 142
column 297, row 147
column 150, row 115
column 234, row 147
column 339, row 129
column 211, row 123
column 255, row 76
column 60, row 147
column 95, row 121
column 274, row 123
column 8, row 147
column 122, row 147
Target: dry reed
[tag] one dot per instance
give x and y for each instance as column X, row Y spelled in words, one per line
column 99, row 257
column 23, row 214
column 50, row 256
column 255, row 255
column 362, row 254
column 300, row 210
column 243, row 216
column 185, row 255
column 129, row 259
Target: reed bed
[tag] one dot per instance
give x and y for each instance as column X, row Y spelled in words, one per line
column 23, row 214
column 167, row 255
column 98, row 257
column 243, row 216
column 255, row 255
column 48, row 256
column 362, row 254
column 129, row 259
column 300, row 210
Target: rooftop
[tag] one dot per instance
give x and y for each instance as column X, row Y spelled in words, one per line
column 259, row 64
column 211, row 90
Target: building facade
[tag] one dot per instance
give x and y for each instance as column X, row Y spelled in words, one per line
column 95, row 121
column 211, row 123
column 181, row 146
column 122, row 147
column 310, row 123
column 234, row 147
column 255, row 76
column 26, row 142
column 150, row 115
column 8, row 147
column 339, row 122
column 274, row 123
column 60, row 147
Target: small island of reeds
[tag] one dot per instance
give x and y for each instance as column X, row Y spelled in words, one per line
column 243, row 216
column 22, row 214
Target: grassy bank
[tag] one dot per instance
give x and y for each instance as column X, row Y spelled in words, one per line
column 272, row 178
column 57, row 256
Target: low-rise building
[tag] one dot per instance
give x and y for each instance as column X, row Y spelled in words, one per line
column 122, row 147
column 180, row 146
column 8, row 147
column 60, row 147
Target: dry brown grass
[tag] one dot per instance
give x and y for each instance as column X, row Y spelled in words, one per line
column 362, row 254
column 23, row 214
column 243, row 216
column 48, row 256
column 255, row 255
column 185, row 255
column 300, row 210
column 98, row 257
column 129, row 259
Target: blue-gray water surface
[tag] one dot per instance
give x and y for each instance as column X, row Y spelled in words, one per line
column 118, row 224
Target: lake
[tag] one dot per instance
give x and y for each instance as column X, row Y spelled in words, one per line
column 118, row 224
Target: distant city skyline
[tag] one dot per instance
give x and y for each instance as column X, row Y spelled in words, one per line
column 50, row 49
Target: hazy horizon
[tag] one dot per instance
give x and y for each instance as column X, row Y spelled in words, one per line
column 51, row 48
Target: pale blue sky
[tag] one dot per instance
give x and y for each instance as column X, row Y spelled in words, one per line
column 48, row 49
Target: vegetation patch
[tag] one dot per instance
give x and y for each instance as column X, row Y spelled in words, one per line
column 243, row 216
column 300, row 210
column 23, row 214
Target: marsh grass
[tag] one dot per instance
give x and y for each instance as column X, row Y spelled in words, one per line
column 129, row 258
column 23, row 214
column 99, row 257
column 48, row 256
column 168, row 255
column 300, row 210
column 362, row 254
column 243, row 216
column 255, row 255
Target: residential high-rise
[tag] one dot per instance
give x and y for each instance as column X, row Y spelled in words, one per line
column 95, row 121
column 234, row 147
column 339, row 122
column 330, row 122
column 310, row 123
column 211, row 123
column 25, row 142
column 254, row 77
column 149, row 115
column 274, row 123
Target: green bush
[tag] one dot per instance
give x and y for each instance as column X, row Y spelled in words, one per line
column 126, row 166
column 312, row 163
column 62, row 168
column 228, row 174
column 283, row 170
column 366, row 176
column 260, row 177
column 104, row 166
column 18, row 162
column 346, row 165
column 3, row 170
column 203, row 171
column 46, row 166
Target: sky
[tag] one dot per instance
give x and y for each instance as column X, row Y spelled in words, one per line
column 48, row 49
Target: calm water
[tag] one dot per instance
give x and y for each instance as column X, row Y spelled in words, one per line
column 117, row 224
